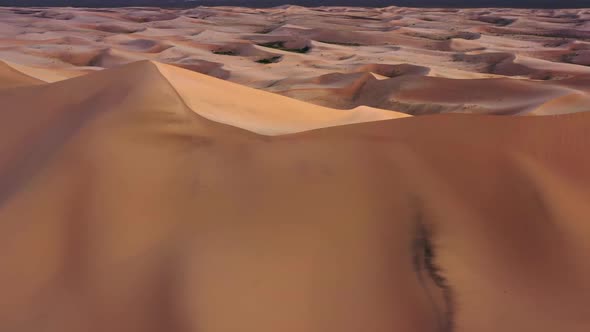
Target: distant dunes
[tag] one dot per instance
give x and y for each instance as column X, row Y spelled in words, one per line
column 414, row 61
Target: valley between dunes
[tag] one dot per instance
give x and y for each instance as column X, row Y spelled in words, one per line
column 142, row 195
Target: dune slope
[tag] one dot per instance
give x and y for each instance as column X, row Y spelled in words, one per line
column 10, row 77
column 259, row 111
column 126, row 206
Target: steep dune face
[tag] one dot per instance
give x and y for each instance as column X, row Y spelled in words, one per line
column 48, row 75
column 259, row 111
column 127, row 206
column 10, row 77
column 290, row 50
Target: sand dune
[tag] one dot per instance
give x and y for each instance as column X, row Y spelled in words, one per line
column 259, row 111
column 148, row 197
column 291, row 50
column 50, row 75
column 10, row 77
column 214, row 99
column 259, row 170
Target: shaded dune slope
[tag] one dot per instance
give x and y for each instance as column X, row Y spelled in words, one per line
column 127, row 206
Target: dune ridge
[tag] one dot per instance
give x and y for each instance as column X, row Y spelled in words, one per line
column 11, row 77
column 127, row 204
column 259, row 111
column 209, row 97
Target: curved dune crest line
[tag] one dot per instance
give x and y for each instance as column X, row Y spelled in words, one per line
column 213, row 99
column 259, row 111
column 47, row 75
column 10, row 77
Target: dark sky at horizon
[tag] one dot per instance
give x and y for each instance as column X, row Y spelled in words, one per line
column 271, row 3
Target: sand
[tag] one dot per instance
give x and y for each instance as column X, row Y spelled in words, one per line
column 148, row 196
column 407, row 60
column 10, row 77
column 143, row 198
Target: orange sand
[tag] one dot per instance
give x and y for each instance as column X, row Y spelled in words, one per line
column 154, row 196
